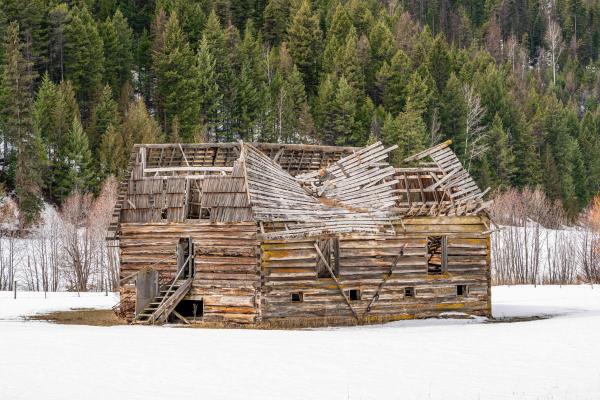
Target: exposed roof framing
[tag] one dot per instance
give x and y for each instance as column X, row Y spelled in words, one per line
column 290, row 210
column 293, row 190
column 447, row 189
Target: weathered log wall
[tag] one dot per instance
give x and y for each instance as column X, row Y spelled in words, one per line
column 234, row 288
column 290, row 267
column 226, row 274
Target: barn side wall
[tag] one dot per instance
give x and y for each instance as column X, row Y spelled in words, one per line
column 226, row 274
column 290, row 267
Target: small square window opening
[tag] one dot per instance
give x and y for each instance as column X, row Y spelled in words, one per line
column 297, row 297
column 354, row 294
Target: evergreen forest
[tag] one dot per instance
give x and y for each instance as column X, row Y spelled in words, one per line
column 514, row 83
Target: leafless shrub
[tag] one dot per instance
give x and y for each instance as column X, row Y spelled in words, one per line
column 90, row 263
column 42, row 270
column 9, row 244
column 533, row 243
column 10, row 258
column 590, row 248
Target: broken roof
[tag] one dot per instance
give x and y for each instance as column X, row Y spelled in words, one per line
column 294, row 190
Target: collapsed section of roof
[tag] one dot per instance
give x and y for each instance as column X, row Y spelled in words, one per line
column 362, row 179
column 443, row 187
column 319, row 190
column 285, row 208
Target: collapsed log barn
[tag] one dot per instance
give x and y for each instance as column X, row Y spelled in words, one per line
column 295, row 235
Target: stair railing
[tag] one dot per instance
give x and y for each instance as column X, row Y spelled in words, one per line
column 167, row 296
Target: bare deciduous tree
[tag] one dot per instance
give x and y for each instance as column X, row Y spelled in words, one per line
column 534, row 243
column 476, row 130
column 434, row 129
column 90, row 263
column 555, row 45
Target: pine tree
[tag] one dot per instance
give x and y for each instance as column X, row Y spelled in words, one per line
column 344, row 113
column 350, row 63
column 500, row 159
column 551, row 177
column 408, row 131
column 251, row 86
column 177, row 86
column 208, row 87
column 304, row 36
column 139, row 127
column 44, row 106
column 394, row 97
column 65, row 110
column 18, row 121
column 75, row 171
column 143, row 65
column 117, row 38
column 104, row 114
column 336, row 38
column 84, row 56
column 275, row 19
column 439, row 63
column 418, row 94
column 325, row 105
column 111, row 153
column 43, row 109
column 190, row 13
column 589, row 144
column 364, row 121
column 381, row 43
column 30, row 16
column 57, row 21
column 290, row 106
column 453, row 114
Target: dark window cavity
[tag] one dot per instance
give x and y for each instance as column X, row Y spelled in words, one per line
column 297, row 297
column 354, row 294
column 194, row 194
column 437, row 254
column 330, row 248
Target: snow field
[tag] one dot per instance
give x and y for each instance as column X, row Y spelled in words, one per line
column 555, row 358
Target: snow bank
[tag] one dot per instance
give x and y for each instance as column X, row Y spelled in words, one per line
column 555, row 358
column 544, row 301
column 31, row 303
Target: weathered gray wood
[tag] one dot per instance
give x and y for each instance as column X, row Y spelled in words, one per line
column 326, row 263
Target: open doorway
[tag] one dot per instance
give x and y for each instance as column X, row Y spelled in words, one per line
column 185, row 257
column 192, row 310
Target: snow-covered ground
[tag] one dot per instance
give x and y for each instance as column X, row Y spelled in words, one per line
column 554, row 358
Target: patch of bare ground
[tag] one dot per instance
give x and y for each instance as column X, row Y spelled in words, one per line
column 93, row 317
column 81, row 316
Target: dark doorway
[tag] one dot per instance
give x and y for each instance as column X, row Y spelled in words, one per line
column 191, row 309
column 185, row 257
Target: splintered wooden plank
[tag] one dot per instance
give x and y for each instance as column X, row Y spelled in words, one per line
column 428, row 151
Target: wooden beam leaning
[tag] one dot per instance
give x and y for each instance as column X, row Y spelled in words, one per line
column 326, row 263
column 181, row 317
column 384, row 281
column 428, row 151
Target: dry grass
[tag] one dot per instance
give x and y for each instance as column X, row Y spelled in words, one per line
column 81, row 316
column 92, row 317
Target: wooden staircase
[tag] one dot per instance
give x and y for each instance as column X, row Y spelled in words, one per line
column 169, row 295
column 163, row 305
